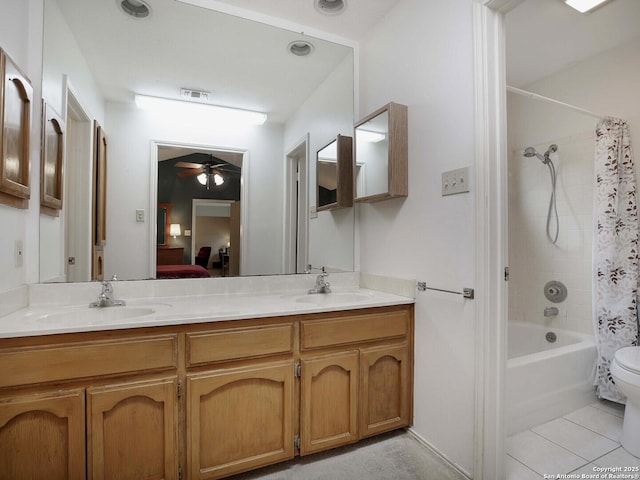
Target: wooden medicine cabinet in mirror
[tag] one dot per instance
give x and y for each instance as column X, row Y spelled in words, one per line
column 16, row 95
column 381, row 155
column 51, row 176
column 334, row 172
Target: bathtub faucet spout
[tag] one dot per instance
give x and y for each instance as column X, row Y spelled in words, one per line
column 550, row 311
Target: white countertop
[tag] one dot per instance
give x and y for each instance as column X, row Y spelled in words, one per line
column 186, row 309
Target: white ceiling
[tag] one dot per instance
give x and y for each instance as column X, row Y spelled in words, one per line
column 244, row 63
column 544, row 36
column 352, row 23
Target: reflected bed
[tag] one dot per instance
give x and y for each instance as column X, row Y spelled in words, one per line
column 181, row 271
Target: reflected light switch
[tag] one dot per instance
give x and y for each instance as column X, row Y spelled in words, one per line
column 139, row 215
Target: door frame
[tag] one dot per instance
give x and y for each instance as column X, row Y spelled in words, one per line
column 491, row 234
column 295, row 253
column 78, row 239
column 153, row 194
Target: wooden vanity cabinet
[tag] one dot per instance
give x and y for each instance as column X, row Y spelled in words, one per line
column 328, row 401
column 239, row 419
column 132, row 430
column 385, row 388
column 355, row 376
column 240, row 398
column 202, row 401
column 97, row 406
column 42, row 435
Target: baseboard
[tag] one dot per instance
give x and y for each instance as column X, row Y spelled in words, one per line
column 439, row 454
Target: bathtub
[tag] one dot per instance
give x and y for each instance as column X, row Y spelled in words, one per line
column 546, row 380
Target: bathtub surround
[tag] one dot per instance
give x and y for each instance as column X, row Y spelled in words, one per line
column 615, row 252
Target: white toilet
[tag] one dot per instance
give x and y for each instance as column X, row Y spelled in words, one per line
column 625, row 370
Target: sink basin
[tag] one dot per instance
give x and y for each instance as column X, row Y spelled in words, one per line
column 98, row 315
column 333, row 298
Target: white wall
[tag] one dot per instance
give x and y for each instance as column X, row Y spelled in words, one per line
column 421, row 55
column 63, row 64
column 327, row 113
column 21, row 39
column 129, row 136
column 602, row 84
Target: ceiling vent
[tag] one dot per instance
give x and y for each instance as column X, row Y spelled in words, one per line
column 197, row 95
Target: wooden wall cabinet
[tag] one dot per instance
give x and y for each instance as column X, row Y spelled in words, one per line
column 334, row 174
column 202, row 401
column 16, row 98
column 381, row 154
column 52, row 161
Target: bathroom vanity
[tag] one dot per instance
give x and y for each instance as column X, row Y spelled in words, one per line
column 207, row 398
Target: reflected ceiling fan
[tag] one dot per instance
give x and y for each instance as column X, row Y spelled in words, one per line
column 210, row 172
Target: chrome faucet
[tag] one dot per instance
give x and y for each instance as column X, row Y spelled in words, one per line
column 105, row 299
column 551, row 311
column 322, row 286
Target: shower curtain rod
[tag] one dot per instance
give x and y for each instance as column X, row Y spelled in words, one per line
column 519, row 91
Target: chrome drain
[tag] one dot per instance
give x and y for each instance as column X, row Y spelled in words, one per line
column 551, row 337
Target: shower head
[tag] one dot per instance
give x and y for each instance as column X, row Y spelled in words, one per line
column 531, row 152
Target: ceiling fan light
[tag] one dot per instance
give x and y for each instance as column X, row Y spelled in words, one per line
column 218, row 179
column 202, row 178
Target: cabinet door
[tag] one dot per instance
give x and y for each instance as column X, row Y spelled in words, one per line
column 385, row 389
column 239, row 419
column 132, row 431
column 328, row 401
column 42, row 436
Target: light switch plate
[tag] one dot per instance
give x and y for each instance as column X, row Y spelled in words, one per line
column 139, row 215
column 455, row 181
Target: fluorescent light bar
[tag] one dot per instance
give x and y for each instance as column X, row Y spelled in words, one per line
column 200, row 111
column 584, row 6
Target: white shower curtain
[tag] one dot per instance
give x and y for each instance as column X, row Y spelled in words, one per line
column 615, row 250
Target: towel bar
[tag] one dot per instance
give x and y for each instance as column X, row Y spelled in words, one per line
column 466, row 292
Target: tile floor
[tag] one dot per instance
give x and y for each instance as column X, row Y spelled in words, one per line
column 580, row 443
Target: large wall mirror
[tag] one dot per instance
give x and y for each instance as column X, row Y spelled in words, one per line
column 93, row 74
column 381, row 154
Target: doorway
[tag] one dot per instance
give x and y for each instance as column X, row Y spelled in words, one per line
column 77, row 191
column 190, row 177
column 216, row 224
column 296, row 223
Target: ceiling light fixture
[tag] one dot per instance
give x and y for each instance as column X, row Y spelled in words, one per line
column 202, row 112
column 585, row 6
column 301, row 48
column 330, row 7
column 134, row 8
